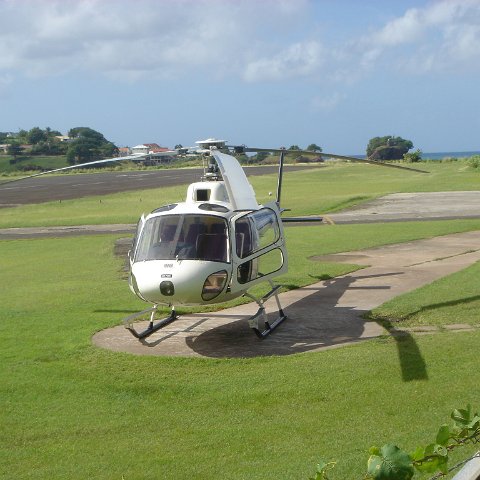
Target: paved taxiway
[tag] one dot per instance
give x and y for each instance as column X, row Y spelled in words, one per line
column 76, row 185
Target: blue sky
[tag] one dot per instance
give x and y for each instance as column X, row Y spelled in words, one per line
column 264, row 73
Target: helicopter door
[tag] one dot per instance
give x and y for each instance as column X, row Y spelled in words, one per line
column 259, row 253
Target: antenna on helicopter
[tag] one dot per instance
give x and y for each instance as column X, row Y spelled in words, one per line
column 280, row 176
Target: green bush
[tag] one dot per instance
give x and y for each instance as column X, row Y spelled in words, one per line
column 474, row 161
column 413, row 157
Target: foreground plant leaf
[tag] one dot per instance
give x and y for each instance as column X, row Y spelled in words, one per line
column 390, row 463
column 322, row 469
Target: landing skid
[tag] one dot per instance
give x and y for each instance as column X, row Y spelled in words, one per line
column 253, row 321
column 262, row 315
column 152, row 326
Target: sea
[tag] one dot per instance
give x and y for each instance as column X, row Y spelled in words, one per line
column 439, row 155
column 442, row 155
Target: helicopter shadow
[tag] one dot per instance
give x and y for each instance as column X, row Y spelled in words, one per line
column 314, row 321
column 328, row 317
column 412, row 364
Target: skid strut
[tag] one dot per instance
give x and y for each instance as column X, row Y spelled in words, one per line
column 261, row 313
column 152, row 326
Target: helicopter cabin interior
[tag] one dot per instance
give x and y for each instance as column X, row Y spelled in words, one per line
column 184, row 237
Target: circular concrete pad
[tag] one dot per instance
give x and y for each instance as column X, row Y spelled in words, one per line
column 324, row 315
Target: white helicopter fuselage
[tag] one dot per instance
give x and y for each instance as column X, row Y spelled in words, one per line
column 174, row 255
column 208, row 249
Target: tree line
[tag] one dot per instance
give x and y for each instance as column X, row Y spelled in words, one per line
column 84, row 144
column 383, row 148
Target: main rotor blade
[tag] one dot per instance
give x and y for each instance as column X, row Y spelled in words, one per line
column 373, row 162
column 302, row 219
column 79, row 165
column 329, row 155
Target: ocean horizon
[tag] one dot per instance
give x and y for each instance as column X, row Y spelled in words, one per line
column 439, row 155
column 442, row 155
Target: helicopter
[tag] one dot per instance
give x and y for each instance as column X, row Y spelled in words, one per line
column 215, row 245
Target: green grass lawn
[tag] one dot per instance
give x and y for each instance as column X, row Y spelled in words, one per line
column 449, row 300
column 70, row 410
column 46, row 162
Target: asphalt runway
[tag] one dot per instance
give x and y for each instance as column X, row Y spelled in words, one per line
column 77, row 185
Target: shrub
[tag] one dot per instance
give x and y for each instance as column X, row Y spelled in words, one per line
column 474, row 161
column 413, row 157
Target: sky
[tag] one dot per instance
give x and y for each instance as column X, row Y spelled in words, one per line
column 265, row 73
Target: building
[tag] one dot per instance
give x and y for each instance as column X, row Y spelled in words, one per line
column 124, row 151
column 146, row 148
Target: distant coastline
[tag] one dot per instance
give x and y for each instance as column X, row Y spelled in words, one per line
column 439, row 155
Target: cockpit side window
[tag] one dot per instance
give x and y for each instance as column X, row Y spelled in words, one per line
column 136, row 237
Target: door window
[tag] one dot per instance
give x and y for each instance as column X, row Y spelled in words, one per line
column 256, row 231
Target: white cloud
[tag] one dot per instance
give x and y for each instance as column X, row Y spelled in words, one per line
column 406, row 29
column 298, row 60
column 141, row 37
column 442, row 36
column 271, row 40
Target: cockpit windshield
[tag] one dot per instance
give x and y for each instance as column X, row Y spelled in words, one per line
column 184, row 237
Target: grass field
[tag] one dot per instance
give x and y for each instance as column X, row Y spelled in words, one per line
column 316, row 191
column 450, row 300
column 70, row 410
column 46, row 162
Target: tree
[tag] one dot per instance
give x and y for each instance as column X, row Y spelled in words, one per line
column 388, row 148
column 50, row 147
column 260, row 156
column 108, row 149
column 36, row 135
column 21, row 136
column 51, row 133
column 82, row 150
column 88, row 145
column 86, row 132
column 294, row 147
column 14, row 149
column 314, row 147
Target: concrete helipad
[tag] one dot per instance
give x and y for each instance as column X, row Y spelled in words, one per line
column 326, row 314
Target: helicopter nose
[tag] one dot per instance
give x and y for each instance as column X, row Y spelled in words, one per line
column 167, row 288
